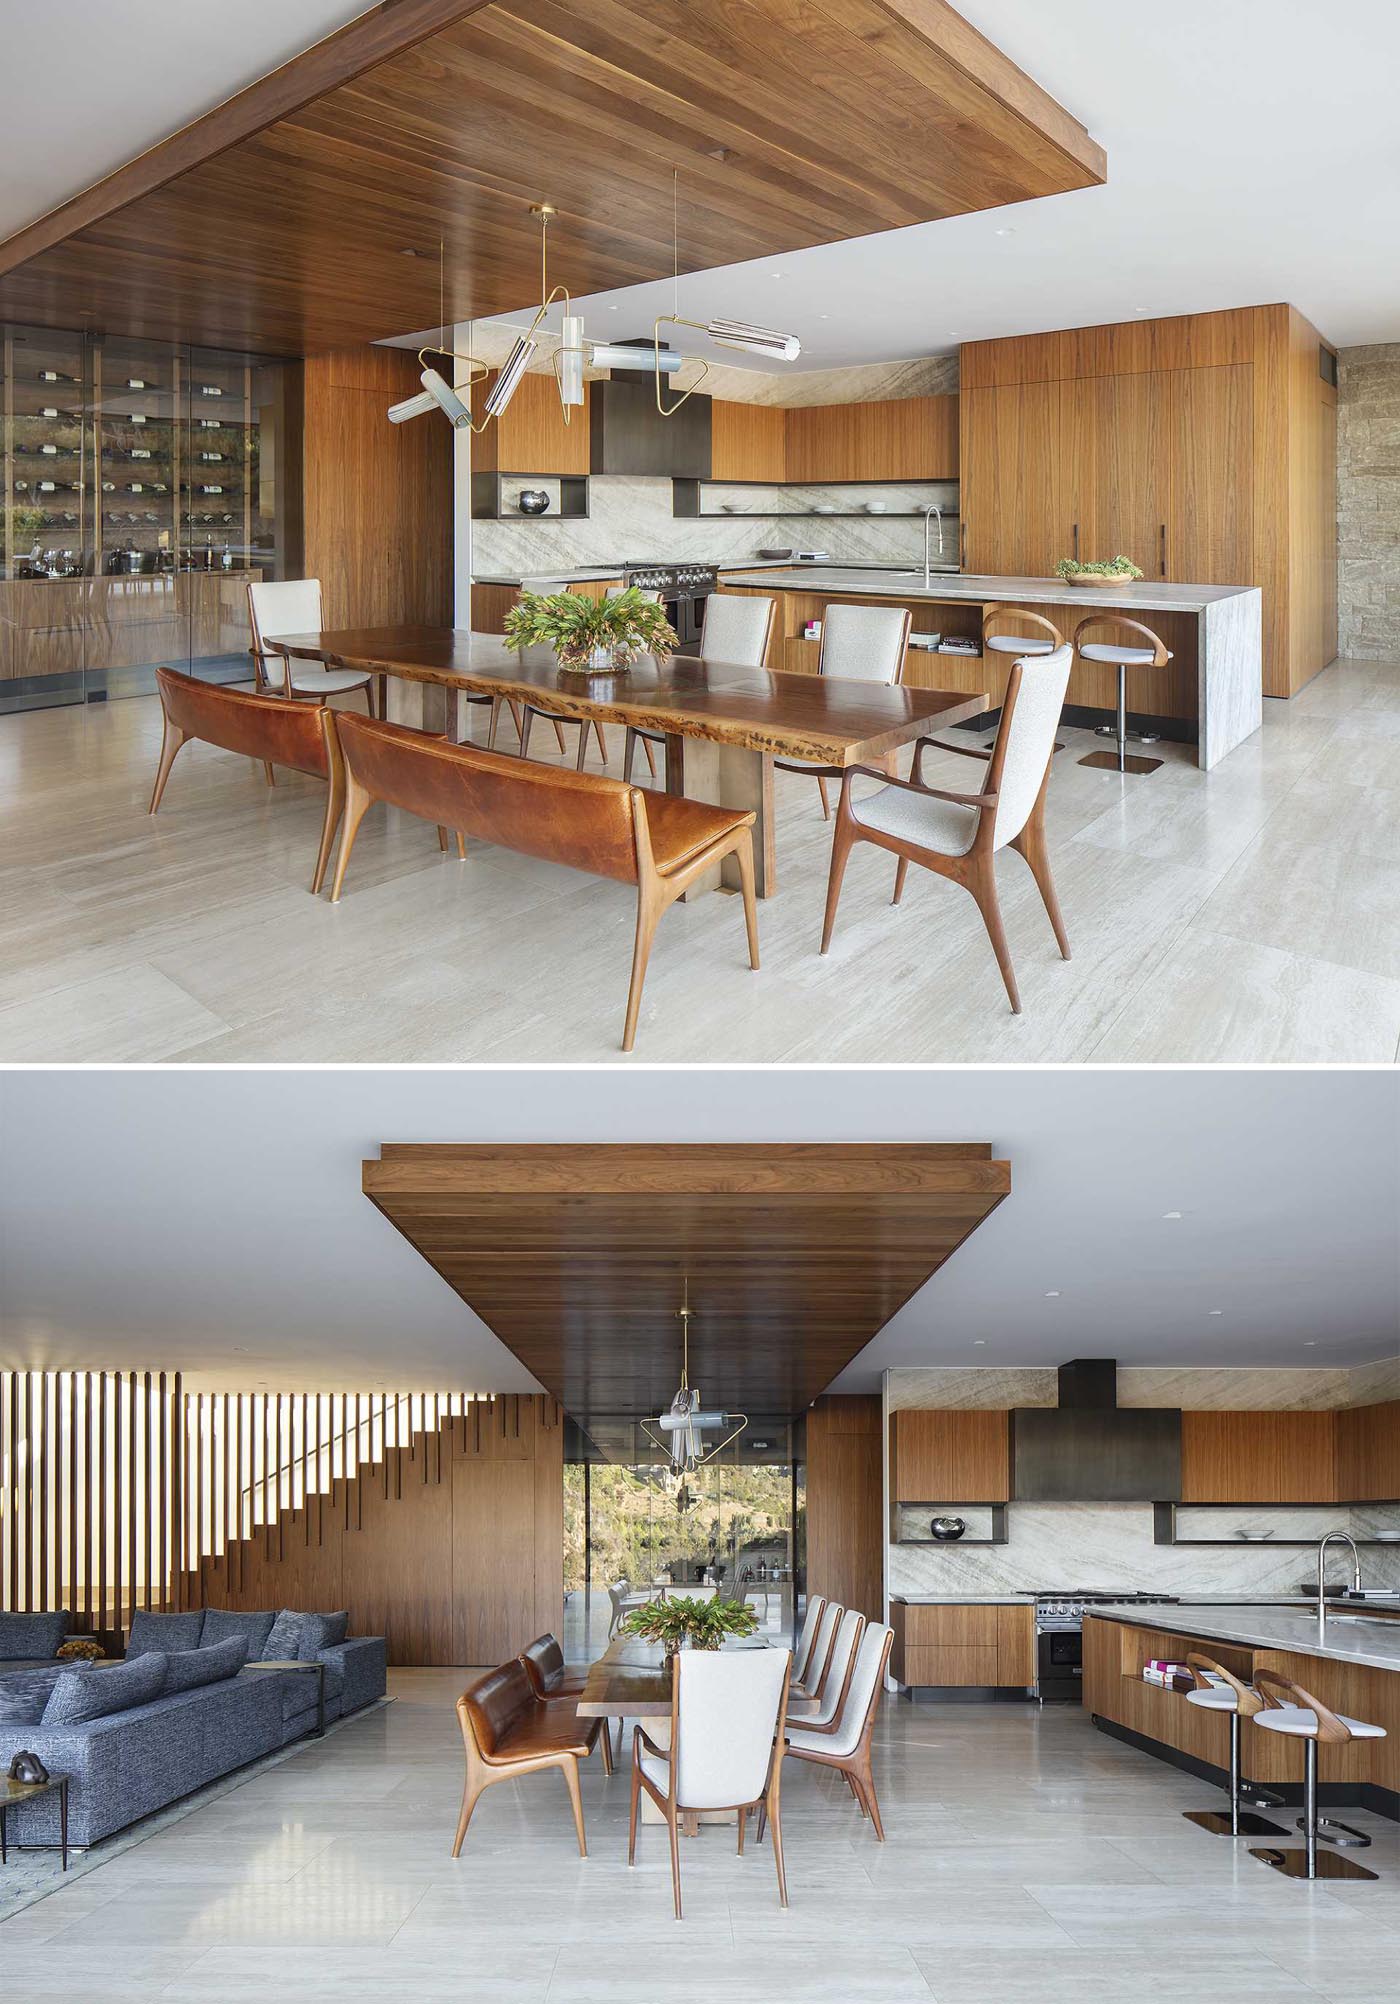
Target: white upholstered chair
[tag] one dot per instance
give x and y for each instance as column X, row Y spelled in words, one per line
column 618, row 1596
column 728, row 1709
column 957, row 835
column 737, row 629
column 819, row 1656
column 836, row 1678
column 811, row 1622
column 844, row 1743
column 691, row 1592
column 860, row 643
column 293, row 605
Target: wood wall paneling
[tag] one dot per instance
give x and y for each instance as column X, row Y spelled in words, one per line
column 949, row 1457
column 377, row 497
column 845, row 1509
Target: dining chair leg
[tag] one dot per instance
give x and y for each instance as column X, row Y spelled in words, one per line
column 742, row 1817
column 744, row 853
column 471, row 1795
column 442, row 838
column 867, row 1788
column 632, row 1818
column 571, row 1777
column 525, row 731
column 775, row 1818
column 629, row 753
column 983, row 886
column 269, row 772
column 1031, row 843
column 649, row 909
column 901, row 871
column 357, row 802
column 582, row 746
column 602, row 741
column 494, row 725
column 605, row 1747
column 672, row 1827
column 335, row 804
column 651, row 757
column 826, row 803
column 170, row 743
column 370, row 708
column 841, row 844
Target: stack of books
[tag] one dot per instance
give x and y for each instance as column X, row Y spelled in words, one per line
column 1172, row 1676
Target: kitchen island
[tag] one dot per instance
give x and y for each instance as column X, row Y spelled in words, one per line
column 1353, row 1669
column 1211, row 690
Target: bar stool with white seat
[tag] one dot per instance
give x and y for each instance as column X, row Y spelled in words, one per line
column 1122, row 655
column 736, row 629
column 1294, row 1712
column 1020, row 645
column 860, row 643
column 1219, row 1690
column 293, row 605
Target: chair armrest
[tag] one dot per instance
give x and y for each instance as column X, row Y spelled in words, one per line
column 640, row 1733
column 962, row 751
column 915, row 786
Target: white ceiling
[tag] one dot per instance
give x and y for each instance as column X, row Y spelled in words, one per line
column 1253, row 156
column 86, row 85
column 213, row 1221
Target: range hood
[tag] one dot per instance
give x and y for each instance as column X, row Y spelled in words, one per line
column 628, row 433
column 1088, row 1449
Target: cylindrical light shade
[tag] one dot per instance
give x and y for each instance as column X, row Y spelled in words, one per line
column 606, row 355
column 412, row 407
column 507, row 383
column 445, row 397
column 571, row 360
column 758, row 340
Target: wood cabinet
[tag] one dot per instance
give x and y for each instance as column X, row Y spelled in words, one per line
column 1203, row 447
column 963, row 1643
column 845, row 1527
column 531, row 436
column 747, row 441
column 491, row 603
column 1259, row 1457
column 949, row 1457
column 1368, row 1453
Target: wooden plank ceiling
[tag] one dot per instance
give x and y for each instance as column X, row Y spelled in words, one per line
column 796, row 1256
column 305, row 214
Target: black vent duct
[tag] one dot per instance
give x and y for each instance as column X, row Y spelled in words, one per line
column 628, row 433
column 1088, row 1449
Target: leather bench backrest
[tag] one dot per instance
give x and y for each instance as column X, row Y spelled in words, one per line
column 496, row 1702
column 260, row 727
column 583, row 819
column 544, row 1663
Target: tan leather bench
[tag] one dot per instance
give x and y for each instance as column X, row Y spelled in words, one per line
column 655, row 841
column 266, row 728
column 508, row 1731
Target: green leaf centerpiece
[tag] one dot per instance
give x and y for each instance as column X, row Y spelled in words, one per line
column 591, row 636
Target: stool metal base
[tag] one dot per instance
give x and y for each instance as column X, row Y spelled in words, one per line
column 1107, row 761
column 1135, row 737
column 1217, row 1821
column 1340, row 1834
column 1328, row 1865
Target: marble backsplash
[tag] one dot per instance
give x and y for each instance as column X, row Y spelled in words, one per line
column 1199, row 1389
column 1061, row 1546
column 630, row 519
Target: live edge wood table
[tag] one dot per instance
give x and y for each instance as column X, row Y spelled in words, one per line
column 723, row 724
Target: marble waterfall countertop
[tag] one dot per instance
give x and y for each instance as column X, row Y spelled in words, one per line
column 1352, row 1637
column 1151, row 595
column 537, row 580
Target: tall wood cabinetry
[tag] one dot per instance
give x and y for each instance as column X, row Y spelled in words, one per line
column 845, row 1528
column 899, row 438
column 1204, row 448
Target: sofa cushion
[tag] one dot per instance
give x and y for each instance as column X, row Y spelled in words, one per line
column 337, row 1628
column 32, row 1635
column 222, row 1622
column 188, row 1668
column 164, row 1631
column 317, row 1633
column 24, row 1694
column 80, row 1695
column 283, row 1644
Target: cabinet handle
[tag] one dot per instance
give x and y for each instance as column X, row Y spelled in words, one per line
column 962, row 546
column 1075, row 551
column 1162, row 549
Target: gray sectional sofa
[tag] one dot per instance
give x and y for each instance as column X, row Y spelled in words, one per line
column 28, row 1640
column 157, row 1741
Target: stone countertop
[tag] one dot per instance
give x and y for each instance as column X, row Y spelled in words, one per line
column 962, row 1599
column 1351, row 1637
column 587, row 575
column 1151, row 595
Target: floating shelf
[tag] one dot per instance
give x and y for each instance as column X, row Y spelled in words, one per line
column 1164, row 1529
column 486, row 498
column 999, row 1531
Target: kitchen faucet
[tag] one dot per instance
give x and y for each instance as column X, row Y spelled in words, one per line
column 932, row 509
column 1322, row 1544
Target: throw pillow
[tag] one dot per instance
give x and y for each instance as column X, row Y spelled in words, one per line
column 284, row 1641
column 188, row 1668
column 81, row 1695
column 32, row 1635
column 221, row 1622
column 24, row 1694
column 164, row 1631
column 315, row 1636
column 337, row 1627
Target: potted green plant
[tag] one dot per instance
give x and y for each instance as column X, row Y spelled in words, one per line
column 1119, row 570
column 689, row 1624
column 591, row 636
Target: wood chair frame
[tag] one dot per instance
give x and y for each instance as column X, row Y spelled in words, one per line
column 995, row 613
column 809, row 1726
column 856, row 1765
column 822, row 773
column 817, row 1605
column 976, row 870
column 484, row 1770
column 647, row 739
column 767, row 1802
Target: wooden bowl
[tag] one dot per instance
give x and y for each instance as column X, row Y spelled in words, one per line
column 1098, row 578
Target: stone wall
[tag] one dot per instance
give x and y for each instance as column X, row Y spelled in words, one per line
column 1368, row 502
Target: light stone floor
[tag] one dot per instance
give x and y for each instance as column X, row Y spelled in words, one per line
column 1251, row 914
column 1028, row 1857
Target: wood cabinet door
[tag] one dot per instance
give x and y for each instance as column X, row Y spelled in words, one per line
column 1208, row 427
column 531, row 435
column 747, row 441
column 821, row 442
column 949, row 1457
column 1266, row 1457
column 1368, row 1453
column 905, row 438
column 1016, row 1645
column 1005, row 495
column 1132, row 452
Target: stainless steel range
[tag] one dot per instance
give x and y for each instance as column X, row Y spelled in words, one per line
column 683, row 588
column 1059, row 1640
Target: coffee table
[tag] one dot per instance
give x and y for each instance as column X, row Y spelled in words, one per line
column 12, row 1792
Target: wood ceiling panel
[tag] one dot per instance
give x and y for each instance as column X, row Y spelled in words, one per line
column 279, row 222
column 796, row 1256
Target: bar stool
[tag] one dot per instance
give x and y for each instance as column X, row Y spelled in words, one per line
column 1019, row 644
column 1238, row 1701
column 1120, row 654
column 1301, row 1716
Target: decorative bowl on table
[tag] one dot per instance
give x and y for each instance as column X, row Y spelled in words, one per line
column 948, row 1530
column 591, row 636
column 532, row 501
column 1120, row 571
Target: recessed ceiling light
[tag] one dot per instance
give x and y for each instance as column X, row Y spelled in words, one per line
column 979, row 1342
column 1215, row 1311
column 612, row 309
column 1309, row 1342
column 1006, row 231
column 1171, row 1214
column 1052, row 1294
column 823, row 316
column 1140, row 309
